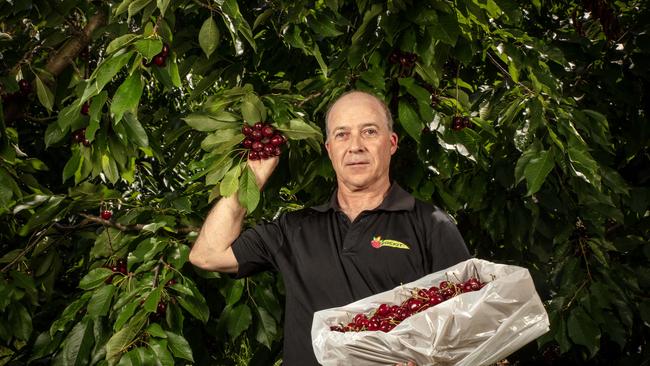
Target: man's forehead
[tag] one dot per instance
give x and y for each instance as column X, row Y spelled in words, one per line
column 348, row 126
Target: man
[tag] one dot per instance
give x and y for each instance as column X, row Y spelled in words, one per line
column 370, row 237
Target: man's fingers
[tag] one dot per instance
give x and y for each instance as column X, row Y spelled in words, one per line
column 263, row 169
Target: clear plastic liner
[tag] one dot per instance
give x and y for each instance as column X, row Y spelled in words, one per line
column 473, row 328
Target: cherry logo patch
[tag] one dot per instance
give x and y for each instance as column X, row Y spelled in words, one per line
column 377, row 242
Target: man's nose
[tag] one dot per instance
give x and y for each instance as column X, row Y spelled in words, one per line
column 355, row 143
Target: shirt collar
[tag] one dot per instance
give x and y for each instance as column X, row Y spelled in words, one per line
column 397, row 199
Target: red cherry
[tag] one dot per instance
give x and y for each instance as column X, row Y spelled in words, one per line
column 263, row 154
column 383, row 310
column 268, row 131
column 457, row 123
column 171, row 282
column 165, row 50
column 256, row 135
column 86, row 142
column 247, row 143
column 257, row 146
column 161, row 309
column 106, row 214
column 159, row 60
column 258, row 126
column 414, row 305
column 246, row 129
column 277, row 140
column 269, row 150
column 85, row 108
column 25, row 86
column 253, row 155
column 277, row 151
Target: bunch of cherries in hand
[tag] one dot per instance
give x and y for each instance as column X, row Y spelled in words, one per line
column 386, row 316
column 262, row 141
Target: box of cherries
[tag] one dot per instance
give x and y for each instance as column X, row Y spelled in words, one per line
column 476, row 312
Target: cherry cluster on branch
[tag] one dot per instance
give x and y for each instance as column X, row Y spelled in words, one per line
column 262, row 141
column 387, row 316
column 159, row 59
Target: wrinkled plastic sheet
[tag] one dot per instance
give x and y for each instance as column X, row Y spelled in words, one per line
column 473, row 328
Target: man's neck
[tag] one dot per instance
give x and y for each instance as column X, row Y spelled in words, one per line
column 354, row 201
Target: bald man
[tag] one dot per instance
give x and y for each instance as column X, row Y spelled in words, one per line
column 368, row 238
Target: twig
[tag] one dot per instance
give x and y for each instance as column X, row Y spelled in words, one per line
column 29, row 246
column 506, row 73
column 133, row 227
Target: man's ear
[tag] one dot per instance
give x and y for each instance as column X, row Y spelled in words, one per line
column 393, row 142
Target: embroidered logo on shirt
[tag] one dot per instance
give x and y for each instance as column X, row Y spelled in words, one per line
column 377, row 242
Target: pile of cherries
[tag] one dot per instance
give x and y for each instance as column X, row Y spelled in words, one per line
column 386, row 316
column 262, row 141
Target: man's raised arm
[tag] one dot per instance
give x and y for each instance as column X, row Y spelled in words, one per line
column 211, row 250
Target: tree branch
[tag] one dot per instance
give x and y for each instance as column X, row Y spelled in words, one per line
column 59, row 61
column 133, row 227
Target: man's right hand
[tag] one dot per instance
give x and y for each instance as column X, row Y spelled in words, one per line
column 263, row 168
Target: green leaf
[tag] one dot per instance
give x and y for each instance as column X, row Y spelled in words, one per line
column 78, row 343
column 230, row 181
column 447, row 29
column 45, row 95
column 368, row 18
column 299, row 130
column 206, row 123
column 53, row 134
column 159, row 348
column 117, row 344
column 72, row 165
column 583, row 330
column 410, row 120
column 136, row 6
column 222, row 140
column 105, row 73
column 267, row 330
column 209, row 36
column 252, row 110
column 94, row 278
column 134, row 130
column 197, row 307
column 125, row 314
column 239, row 319
column 20, row 321
column 69, row 314
column 583, row 164
column 127, row 96
column 96, row 107
column 148, row 47
column 234, row 291
column 249, row 192
column 179, row 346
column 156, row 330
column 537, row 169
column 100, row 302
column 162, row 5
column 266, row 299
column 151, row 303
column 120, row 42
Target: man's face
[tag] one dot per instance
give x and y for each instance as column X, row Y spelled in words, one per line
column 359, row 142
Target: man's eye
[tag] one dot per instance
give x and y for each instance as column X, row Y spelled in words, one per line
column 339, row 134
column 371, row 131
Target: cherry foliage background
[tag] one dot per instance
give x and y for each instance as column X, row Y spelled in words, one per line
column 526, row 120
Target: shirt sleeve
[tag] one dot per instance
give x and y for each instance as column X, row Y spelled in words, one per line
column 255, row 249
column 447, row 245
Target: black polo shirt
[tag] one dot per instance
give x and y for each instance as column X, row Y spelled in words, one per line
column 327, row 261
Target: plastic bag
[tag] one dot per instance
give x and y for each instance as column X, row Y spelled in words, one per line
column 473, row 328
